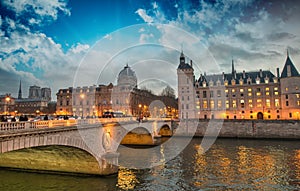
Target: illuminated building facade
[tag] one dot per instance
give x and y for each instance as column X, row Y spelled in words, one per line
column 239, row 95
column 124, row 97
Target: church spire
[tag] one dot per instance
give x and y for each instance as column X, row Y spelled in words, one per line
column 20, row 91
column 232, row 67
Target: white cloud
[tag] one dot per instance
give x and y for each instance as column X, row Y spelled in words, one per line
column 143, row 14
column 40, row 8
column 79, row 48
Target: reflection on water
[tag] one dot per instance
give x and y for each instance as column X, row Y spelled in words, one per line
column 230, row 164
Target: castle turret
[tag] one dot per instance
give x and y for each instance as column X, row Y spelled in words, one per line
column 186, row 93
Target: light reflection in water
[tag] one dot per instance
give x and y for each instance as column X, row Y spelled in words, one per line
column 126, row 179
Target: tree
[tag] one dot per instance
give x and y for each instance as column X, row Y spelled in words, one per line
column 168, row 91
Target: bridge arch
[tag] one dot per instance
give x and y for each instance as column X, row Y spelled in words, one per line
column 165, row 131
column 138, row 136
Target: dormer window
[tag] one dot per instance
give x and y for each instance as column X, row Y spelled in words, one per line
column 266, row 80
column 211, row 83
column 233, row 82
column 218, row 83
column 257, row 80
column 241, row 81
column 226, row 82
column 204, row 84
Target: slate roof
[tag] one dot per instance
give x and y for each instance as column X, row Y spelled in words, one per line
column 294, row 71
column 229, row 76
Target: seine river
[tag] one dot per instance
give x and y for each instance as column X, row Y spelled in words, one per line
column 230, row 164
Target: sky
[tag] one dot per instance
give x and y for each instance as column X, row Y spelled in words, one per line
column 61, row 44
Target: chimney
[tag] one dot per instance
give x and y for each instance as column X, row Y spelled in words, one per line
column 223, row 75
column 260, row 73
column 244, row 74
column 277, row 69
column 234, row 74
column 191, row 63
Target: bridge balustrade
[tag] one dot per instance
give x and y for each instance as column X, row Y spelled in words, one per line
column 5, row 126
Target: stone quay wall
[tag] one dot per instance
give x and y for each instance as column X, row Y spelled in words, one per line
column 257, row 129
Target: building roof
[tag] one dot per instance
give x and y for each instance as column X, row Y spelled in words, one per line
column 289, row 70
column 244, row 76
column 127, row 71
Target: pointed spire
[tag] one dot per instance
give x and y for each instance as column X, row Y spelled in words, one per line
column 232, row 67
column 287, row 52
column 20, row 91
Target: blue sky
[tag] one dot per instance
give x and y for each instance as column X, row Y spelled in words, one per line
column 60, row 43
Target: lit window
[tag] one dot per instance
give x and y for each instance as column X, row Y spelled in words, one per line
column 258, row 102
column 219, row 104
column 232, row 90
column 286, row 89
column 212, row 104
column 234, row 103
column 226, row 91
column 249, row 94
column 205, row 104
column 267, row 93
column 276, row 89
column 298, row 95
column 249, row 90
column 268, row 103
column 258, row 93
column 298, row 103
column 242, row 103
column 267, row 89
column 227, row 104
column 241, row 90
column 275, row 93
column 276, row 102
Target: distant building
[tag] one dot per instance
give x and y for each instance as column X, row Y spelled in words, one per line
column 125, row 98
column 37, row 102
column 239, row 95
column 7, row 103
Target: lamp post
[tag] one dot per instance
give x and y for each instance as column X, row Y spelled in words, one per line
column 82, row 98
column 140, row 106
column 7, row 100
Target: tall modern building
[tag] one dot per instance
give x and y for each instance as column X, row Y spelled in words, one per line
column 239, row 95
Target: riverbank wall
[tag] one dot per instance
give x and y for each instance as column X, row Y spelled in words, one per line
column 256, row 129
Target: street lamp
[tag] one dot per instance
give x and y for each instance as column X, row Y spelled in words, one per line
column 7, row 100
column 140, row 106
column 82, row 98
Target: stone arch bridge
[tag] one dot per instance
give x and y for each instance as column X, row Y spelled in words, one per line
column 101, row 139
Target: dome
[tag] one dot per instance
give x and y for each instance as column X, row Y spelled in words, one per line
column 127, row 77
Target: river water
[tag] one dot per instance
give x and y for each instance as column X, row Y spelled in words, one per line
column 230, row 164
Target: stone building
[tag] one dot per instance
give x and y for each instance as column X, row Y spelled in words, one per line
column 124, row 97
column 239, row 95
column 7, row 103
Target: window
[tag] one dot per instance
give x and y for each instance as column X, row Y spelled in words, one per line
column 211, row 94
column 249, row 90
column 187, row 106
column 232, row 90
column 182, row 106
column 188, row 98
column 267, row 93
column 287, row 103
column 286, row 96
column 234, row 103
column 258, row 103
column 204, row 94
column 250, row 103
column 277, row 103
column 267, row 89
column 205, row 104
column 298, row 103
column 275, row 88
column 275, row 93
column 249, row 94
column 286, row 89
column 291, row 115
column 297, row 95
column 219, row 104
column 212, row 104
column 227, row 104
column 258, row 93
column 268, row 103
column 242, row 103
column 241, row 90
column 219, row 93
column 182, row 98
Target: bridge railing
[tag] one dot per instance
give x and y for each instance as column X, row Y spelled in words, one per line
column 8, row 126
column 5, row 126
